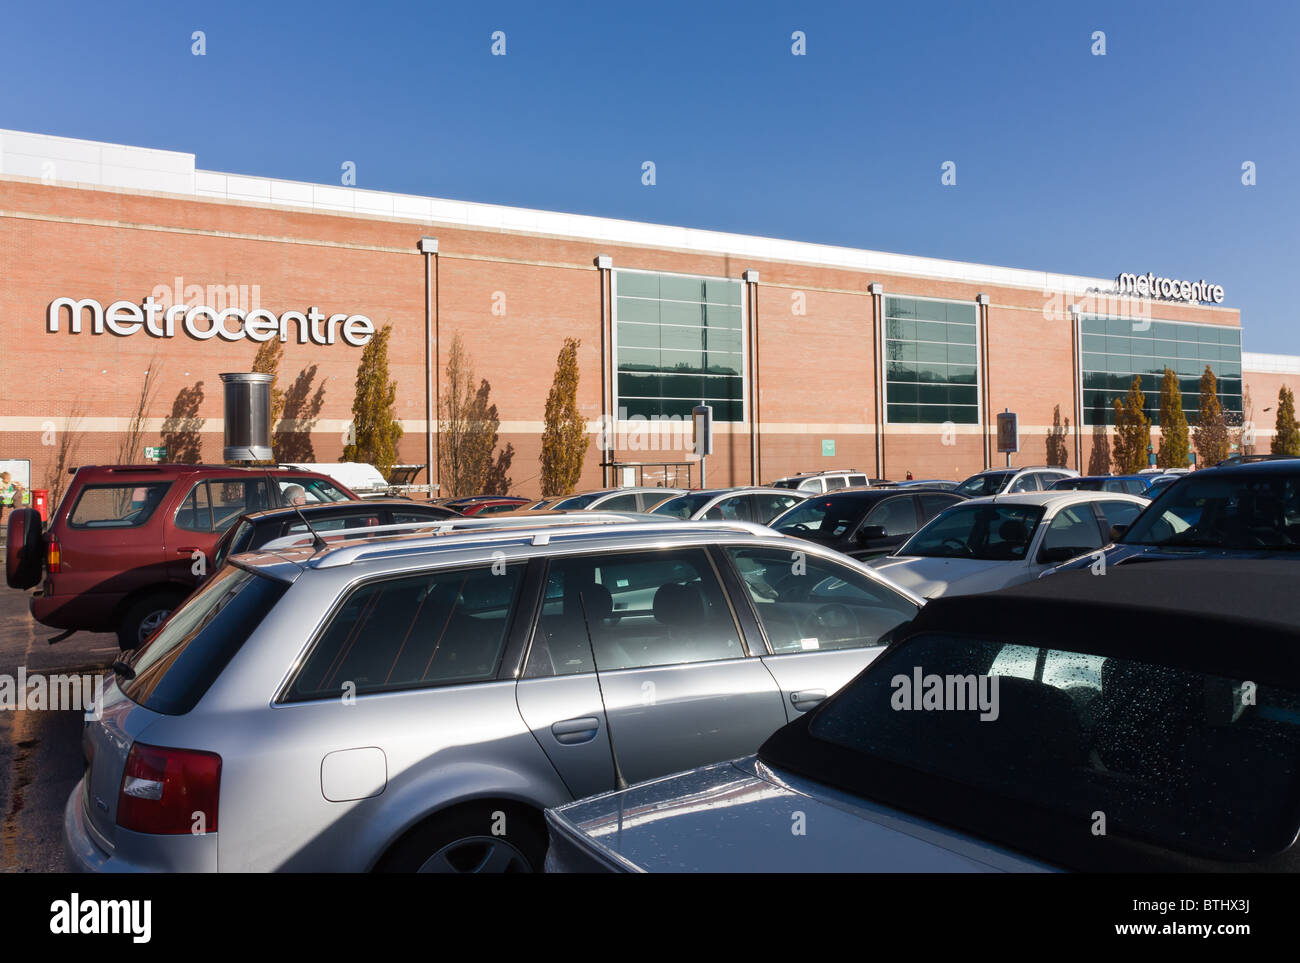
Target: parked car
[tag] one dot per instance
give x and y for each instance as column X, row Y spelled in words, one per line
column 990, row 543
column 124, row 545
column 864, row 522
column 759, row 505
column 485, row 504
column 1249, row 459
column 825, row 481
column 1158, row 483
column 415, row 702
column 254, row 530
column 997, row 481
column 1124, row 484
column 1164, row 700
column 938, row 483
column 631, row 499
column 1247, row 510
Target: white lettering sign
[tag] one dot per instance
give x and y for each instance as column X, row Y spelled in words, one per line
column 203, row 323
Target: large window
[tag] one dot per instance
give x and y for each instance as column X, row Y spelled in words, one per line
column 679, row 345
column 1116, row 349
column 930, row 362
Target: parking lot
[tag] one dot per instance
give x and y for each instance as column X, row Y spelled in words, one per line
column 40, row 751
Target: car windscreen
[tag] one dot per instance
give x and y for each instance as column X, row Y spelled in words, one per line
column 683, row 506
column 825, row 517
column 786, row 483
column 992, row 532
column 986, row 483
column 1197, row 763
column 1235, row 513
column 1077, row 484
column 184, row 657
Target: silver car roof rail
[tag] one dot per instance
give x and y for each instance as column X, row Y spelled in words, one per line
column 346, row 554
column 440, row 526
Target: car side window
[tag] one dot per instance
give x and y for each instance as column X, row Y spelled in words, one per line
column 857, row 479
column 735, row 509
column 770, row 506
column 1074, row 528
column 216, row 504
column 932, row 505
column 808, row 604
column 1025, row 483
column 620, row 503
column 633, row 610
column 116, row 506
column 431, row 629
column 896, row 515
column 314, row 490
column 834, row 481
column 1118, row 513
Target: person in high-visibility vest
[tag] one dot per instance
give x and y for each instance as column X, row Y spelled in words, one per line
column 11, row 494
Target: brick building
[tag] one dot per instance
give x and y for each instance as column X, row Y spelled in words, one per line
column 116, row 260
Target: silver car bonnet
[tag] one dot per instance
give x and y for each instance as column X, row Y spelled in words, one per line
column 743, row 816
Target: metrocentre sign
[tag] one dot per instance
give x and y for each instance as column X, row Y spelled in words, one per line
column 1150, row 286
column 203, row 323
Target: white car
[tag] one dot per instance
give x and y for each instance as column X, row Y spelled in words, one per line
column 990, row 543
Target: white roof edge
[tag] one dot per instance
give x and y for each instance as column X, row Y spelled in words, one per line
column 114, row 166
column 1270, row 363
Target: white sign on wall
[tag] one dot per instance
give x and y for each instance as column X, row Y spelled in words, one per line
column 203, row 322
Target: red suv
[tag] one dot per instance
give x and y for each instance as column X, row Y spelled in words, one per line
column 129, row 542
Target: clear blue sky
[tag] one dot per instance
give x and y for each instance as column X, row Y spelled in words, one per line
column 1065, row 161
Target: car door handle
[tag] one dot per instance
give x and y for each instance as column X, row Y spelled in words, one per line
column 573, row 732
column 188, row 550
column 805, row 699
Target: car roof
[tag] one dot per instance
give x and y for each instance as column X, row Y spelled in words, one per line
column 351, row 506
column 176, row 470
column 1054, row 499
column 1281, row 466
column 1230, row 617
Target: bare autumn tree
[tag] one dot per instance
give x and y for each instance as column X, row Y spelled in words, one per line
column 67, row 444
column 564, row 437
column 1132, row 431
column 456, row 471
column 128, row 451
column 1173, row 424
column 267, row 361
column 1211, row 428
column 375, row 431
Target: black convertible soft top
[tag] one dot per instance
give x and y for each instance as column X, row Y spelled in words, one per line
column 1238, row 619
column 1230, row 617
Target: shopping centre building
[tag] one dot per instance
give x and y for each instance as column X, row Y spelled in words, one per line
column 117, row 260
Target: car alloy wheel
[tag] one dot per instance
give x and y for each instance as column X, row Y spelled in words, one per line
column 150, row 623
column 477, row 854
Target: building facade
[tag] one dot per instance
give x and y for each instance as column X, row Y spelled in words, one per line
column 117, row 261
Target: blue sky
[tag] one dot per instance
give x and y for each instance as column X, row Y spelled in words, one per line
column 1065, row 161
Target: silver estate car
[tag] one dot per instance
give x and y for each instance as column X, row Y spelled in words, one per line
column 415, row 701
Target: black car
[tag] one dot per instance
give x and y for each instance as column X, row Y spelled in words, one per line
column 864, row 522
column 1145, row 721
column 253, row 531
column 1240, row 511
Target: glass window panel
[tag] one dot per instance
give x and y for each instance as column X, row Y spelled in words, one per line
column 961, row 333
column 681, row 312
column 636, row 284
column 904, row 394
column 931, row 331
column 722, row 316
column 1094, row 343
column 638, row 358
column 933, row 395
column 900, row 308
column 961, row 374
column 638, row 335
column 900, row 371
column 632, row 309
column 673, row 288
column 1121, row 327
column 722, row 292
column 961, row 354
column 903, row 414
column 926, row 352
column 962, row 395
column 1164, row 331
column 682, row 339
column 900, row 350
column 1117, row 345
column 931, row 311
column 962, row 311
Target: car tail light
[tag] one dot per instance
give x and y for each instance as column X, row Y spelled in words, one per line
column 164, row 791
column 53, row 556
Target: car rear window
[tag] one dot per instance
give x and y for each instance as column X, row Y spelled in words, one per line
column 116, row 506
column 182, row 660
column 1196, row 763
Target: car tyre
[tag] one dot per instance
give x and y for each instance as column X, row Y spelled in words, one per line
column 144, row 616
column 25, row 548
column 473, row 839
